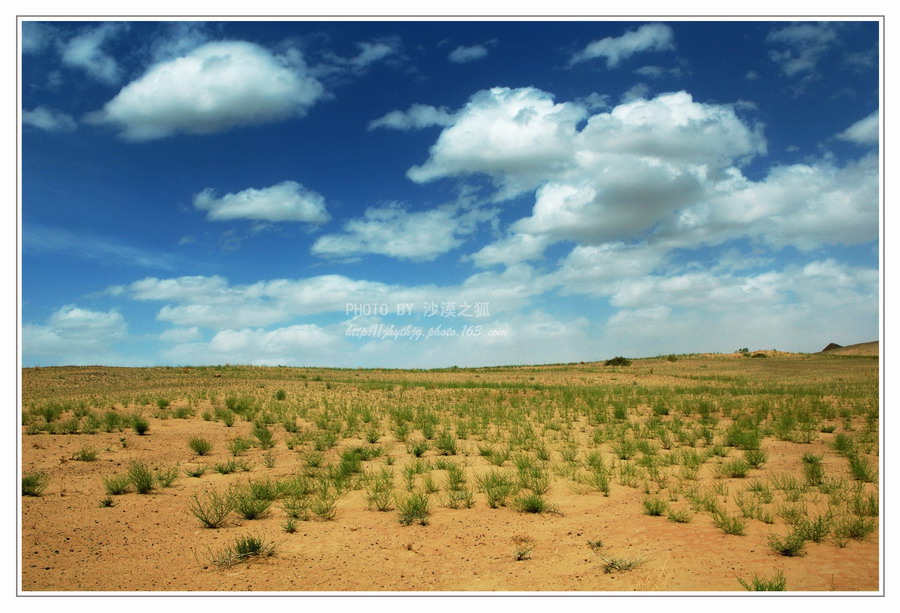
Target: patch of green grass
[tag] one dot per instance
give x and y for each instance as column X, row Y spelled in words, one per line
column 862, row 469
column 655, row 507
column 195, row 471
column 247, row 505
column 165, row 477
column 141, row 477
column 679, row 516
column 615, row 564
column 34, row 484
column 200, row 446
column 777, row 583
column 792, row 545
column 86, row 454
column 498, row 486
column 117, row 484
column 242, row 549
column 729, row 524
column 140, row 425
column 532, row 503
column 413, row 508
column 212, row 508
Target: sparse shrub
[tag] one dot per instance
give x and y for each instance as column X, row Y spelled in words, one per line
column 106, row 502
column 417, row 447
column 165, row 477
column 226, row 468
column 729, row 524
column 862, row 470
column 237, row 446
column 792, row 545
column 498, row 486
column 324, row 505
column 264, row 438
column 856, row 528
column 614, row 564
column 34, row 484
column 523, row 546
column 200, row 446
column 242, row 550
column 655, row 507
column 815, row 529
column 280, row 395
column 445, row 444
column 756, row 457
column 249, row 506
column 532, row 503
column 212, row 508
column 413, row 508
column 735, row 468
column 778, row 583
column 117, row 484
column 140, row 425
column 195, row 471
column 617, row 361
column 679, row 516
column 86, row 454
column 864, row 506
column 141, row 477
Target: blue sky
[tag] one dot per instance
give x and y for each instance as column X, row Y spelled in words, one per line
column 425, row 194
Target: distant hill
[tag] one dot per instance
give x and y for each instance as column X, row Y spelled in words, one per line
column 858, row 349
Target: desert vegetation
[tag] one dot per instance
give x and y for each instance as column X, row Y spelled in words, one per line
column 690, row 472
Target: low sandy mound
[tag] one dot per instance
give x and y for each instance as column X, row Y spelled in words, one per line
column 858, row 349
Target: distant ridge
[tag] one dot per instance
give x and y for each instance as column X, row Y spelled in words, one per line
column 870, row 348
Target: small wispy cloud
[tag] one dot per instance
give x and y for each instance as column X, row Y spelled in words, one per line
column 464, row 55
column 49, row 120
column 44, row 240
column 615, row 49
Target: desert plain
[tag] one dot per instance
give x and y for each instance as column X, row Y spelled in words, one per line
column 679, row 473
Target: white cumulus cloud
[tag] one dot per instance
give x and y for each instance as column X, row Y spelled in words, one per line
column 517, row 136
column 73, row 335
column 393, row 231
column 286, row 201
column 213, row 88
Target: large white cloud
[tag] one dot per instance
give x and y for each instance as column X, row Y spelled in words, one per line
column 213, row 88
column 803, row 205
column 649, row 37
column 286, row 201
column 800, row 308
column 73, row 335
column 666, row 170
column 517, row 136
column 212, row 303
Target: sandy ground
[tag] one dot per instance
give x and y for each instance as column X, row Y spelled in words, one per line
column 152, row 542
